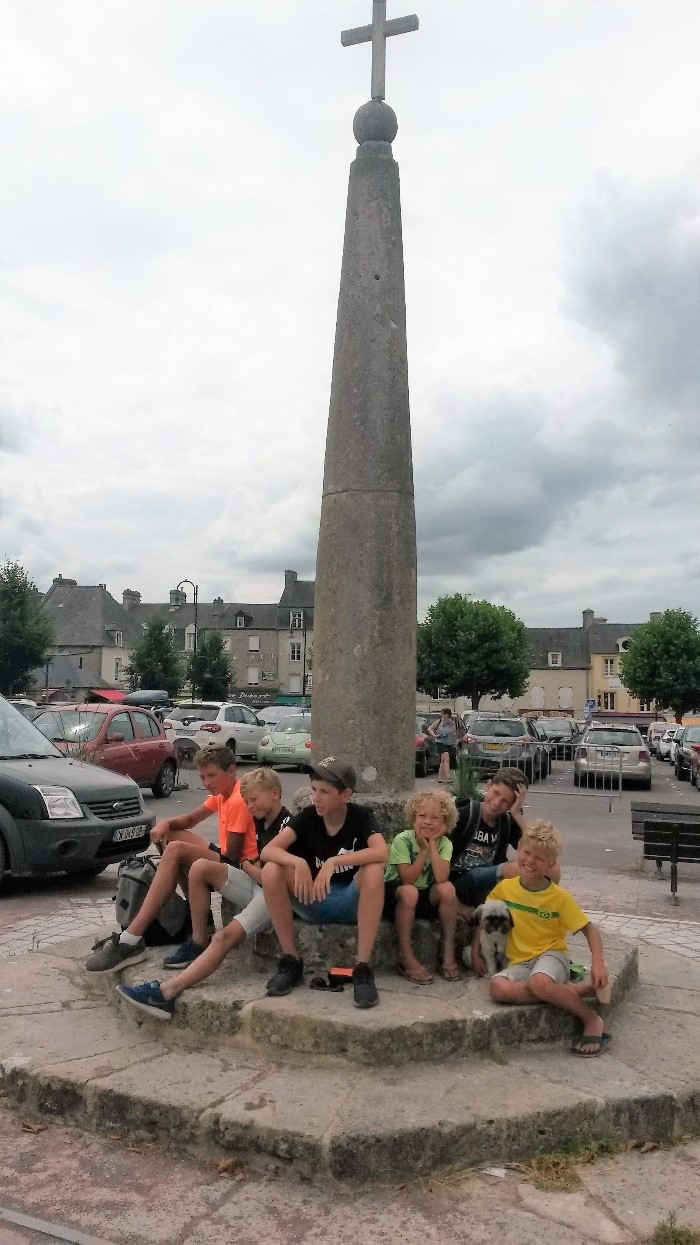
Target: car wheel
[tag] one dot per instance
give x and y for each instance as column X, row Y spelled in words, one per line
column 163, row 786
column 680, row 773
column 422, row 764
column 3, row 860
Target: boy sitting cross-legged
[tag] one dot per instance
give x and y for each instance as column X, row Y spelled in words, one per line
column 199, row 957
column 538, row 957
column 180, row 849
column 417, row 883
column 327, row 865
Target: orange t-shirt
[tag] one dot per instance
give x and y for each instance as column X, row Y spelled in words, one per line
column 234, row 818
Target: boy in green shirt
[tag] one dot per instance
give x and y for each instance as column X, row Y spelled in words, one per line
column 417, row 881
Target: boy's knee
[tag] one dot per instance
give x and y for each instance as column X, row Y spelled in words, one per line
column 370, row 875
column 199, row 869
column 540, row 984
column 498, row 989
column 446, row 893
column 228, row 937
column 407, row 896
column 174, row 852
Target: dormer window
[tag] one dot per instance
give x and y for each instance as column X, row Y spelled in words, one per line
column 296, row 620
column 240, row 620
column 554, row 659
column 118, row 639
column 623, row 644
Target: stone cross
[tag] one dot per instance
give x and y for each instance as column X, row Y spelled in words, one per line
column 378, row 34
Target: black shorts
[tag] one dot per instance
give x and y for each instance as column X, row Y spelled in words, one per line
column 425, row 910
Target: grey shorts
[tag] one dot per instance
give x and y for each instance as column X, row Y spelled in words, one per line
column 247, row 896
column 554, row 964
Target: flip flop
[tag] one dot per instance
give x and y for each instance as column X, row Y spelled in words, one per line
column 600, row 1041
column 450, row 974
column 413, row 976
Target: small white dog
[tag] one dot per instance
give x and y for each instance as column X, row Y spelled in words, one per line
column 495, row 921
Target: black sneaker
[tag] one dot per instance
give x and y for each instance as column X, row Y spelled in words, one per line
column 290, row 973
column 363, row 987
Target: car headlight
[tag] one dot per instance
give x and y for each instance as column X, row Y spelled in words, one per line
column 60, row 802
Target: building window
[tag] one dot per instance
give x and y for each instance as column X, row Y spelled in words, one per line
column 295, row 684
column 645, row 706
column 608, row 700
column 295, row 651
column 554, row 659
column 189, row 640
column 240, row 620
column 566, row 697
column 536, row 697
column 253, row 676
column 296, row 620
column 608, row 665
column 118, row 639
column 117, row 668
column 253, row 643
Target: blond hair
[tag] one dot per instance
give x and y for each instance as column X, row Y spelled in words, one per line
column 263, row 779
column 544, row 835
column 445, row 803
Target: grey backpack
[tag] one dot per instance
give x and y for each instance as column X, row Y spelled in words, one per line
column 134, row 878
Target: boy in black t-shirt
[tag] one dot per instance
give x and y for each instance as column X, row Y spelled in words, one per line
column 327, row 865
column 262, row 792
column 484, row 832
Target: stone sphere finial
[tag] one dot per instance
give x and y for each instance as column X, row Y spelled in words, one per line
column 375, row 122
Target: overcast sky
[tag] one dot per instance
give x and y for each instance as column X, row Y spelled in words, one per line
column 172, row 209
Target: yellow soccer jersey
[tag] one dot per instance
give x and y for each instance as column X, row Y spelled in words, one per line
column 541, row 919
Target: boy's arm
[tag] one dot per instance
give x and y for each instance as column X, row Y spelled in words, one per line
column 277, row 850
column 599, row 971
column 375, row 853
column 163, row 830
column 440, row 867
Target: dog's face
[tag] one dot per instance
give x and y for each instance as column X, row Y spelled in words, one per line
column 494, row 917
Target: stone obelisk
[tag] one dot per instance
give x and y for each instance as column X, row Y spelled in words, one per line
column 365, row 613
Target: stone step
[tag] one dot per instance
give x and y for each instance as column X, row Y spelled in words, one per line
column 411, row 1022
column 77, row 1058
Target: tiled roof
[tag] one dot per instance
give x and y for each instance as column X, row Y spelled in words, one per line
column 86, row 616
column 64, row 672
column 571, row 642
column 603, row 637
column 209, row 616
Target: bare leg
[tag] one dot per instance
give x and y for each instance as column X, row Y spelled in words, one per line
column 370, row 882
column 232, row 935
column 444, row 771
column 539, row 988
column 406, row 901
column 278, row 886
column 443, row 894
column 205, row 876
column 178, row 855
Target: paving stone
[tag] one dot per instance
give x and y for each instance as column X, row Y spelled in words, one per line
column 640, row 1189
column 573, row 1210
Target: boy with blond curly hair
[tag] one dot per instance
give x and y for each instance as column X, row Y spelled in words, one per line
column 417, row 881
column 543, row 914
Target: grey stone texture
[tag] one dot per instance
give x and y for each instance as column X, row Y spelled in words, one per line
column 365, row 604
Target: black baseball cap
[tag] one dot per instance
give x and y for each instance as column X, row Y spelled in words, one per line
column 339, row 773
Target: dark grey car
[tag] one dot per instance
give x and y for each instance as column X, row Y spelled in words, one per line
column 59, row 815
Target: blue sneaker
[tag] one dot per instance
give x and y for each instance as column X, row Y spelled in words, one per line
column 148, row 997
column 183, row 955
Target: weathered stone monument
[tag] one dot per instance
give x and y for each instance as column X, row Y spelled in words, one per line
column 365, row 602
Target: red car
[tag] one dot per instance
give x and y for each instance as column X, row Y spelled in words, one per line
column 129, row 741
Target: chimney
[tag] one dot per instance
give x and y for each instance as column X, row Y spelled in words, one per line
column 655, row 616
column 290, row 577
column 217, row 607
column 60, row 582
column 130, row 598
column 588, row 617
column 177, row 597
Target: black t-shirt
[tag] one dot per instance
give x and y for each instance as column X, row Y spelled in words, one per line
column 265, row 834
column 316, row 846
column 474, row 843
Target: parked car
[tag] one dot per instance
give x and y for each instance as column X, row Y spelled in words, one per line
column 288, row 743
column 687, row 744
column 274, row 713
column 193, row 726
column 562, row 734
column 58, row 814
column 675, row 740
column 28, row 708
column 427, row 755
column 664, row 743
column 127, row 741
column 612, row 754
column 546, row 751
column 491, row 742
column 654, row 732
column 695, row 769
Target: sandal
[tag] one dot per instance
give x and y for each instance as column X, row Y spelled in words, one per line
column 450, row 974
column 414, row 975
column 599, row 1041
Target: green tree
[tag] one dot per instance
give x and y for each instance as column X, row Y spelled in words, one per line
column 154, row 661
column 209, row 669
column 662, row 662
column 472, row 648
column 26, row 632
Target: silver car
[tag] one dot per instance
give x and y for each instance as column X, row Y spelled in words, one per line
column 611, row 755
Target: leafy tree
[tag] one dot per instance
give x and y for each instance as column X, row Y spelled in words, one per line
column 209, row 669
column 154, row 660
column 662, row 662
column 26, row 632
column 472, row 648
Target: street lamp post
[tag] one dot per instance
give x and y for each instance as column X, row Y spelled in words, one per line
column 195, row 593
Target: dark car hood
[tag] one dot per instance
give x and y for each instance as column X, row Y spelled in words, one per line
column 87, row 781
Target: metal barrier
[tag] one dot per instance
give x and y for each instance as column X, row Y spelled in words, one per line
column 596, row 770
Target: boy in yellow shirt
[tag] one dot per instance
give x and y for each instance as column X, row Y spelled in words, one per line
column 538, row 956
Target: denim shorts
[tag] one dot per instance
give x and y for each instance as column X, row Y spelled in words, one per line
column 554, row 964
column 474, row 885
column 338, row 908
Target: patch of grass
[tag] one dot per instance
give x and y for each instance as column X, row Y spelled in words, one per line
column 466, row 782
column 671, row 1232
column 559, row 1170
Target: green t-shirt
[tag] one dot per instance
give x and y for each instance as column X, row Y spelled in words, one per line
column 404, row 850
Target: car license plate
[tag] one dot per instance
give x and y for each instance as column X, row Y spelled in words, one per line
column 129, row 832
column 183, row 731
column 285, row 749
column 493, row 747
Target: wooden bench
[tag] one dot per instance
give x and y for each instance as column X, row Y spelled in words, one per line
column 677, row 841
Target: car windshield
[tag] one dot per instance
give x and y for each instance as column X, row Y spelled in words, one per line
column 203, row 713
column 692, row 734
column 498, row 729
column 70, row 726
column 556, row 724
column 299, row 722
column 619, row 738
column 20, row 738
column 273, row 713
